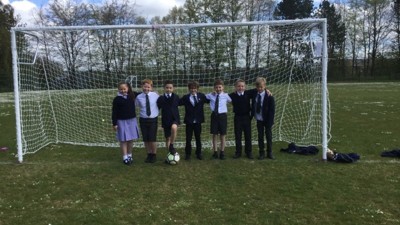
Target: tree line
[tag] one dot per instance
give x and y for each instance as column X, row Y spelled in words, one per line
column 363, row 35
column 7, row 20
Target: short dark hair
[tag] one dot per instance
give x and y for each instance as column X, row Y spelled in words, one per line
column 168, row 82
column 218, row 82
column 193, row 84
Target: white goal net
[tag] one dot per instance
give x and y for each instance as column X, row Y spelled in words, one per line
column 65, row 78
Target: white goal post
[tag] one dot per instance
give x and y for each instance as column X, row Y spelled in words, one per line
column 66, row 77
column 132, row 80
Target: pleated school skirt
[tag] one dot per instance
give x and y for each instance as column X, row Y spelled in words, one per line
column 127, row 130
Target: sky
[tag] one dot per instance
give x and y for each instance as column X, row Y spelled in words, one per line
column 146, row 8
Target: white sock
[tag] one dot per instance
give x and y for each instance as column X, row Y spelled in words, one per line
column 125, row 157
column 130, row 155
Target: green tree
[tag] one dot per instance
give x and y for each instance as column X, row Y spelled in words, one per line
column 70, row 45
column 336, row 29
column 114, row 45
column 379, row 22
column 293, row 9
column 7, row 20
column 336, row 34
column 176, row 45
column 357, row 33
column 396, row 28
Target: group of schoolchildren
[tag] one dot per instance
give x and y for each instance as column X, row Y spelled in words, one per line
column 256, row 103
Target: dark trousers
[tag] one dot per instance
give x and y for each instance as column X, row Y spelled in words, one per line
column 190, row 129
column 263, row 129
column 242, row 124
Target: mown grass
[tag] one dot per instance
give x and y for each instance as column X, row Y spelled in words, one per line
column 65, row 184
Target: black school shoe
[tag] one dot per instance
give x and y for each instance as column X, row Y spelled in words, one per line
column 147, row 160
column 249, row 155
column 222, row 155
column 215, row 155
column 199, row 156
column 127, row 162
column 153, row 158
column 171, row 149
column 237, row 155
column 270, row 156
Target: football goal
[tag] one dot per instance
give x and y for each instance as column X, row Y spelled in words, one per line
column 65, row 78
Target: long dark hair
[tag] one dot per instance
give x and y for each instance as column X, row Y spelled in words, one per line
column 131, row 94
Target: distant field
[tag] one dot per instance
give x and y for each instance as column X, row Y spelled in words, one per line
column 70, row 184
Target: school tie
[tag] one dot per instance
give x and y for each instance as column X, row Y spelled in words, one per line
column 195, row 100
column 216, row 104
column 258, row 106
column 148, row 111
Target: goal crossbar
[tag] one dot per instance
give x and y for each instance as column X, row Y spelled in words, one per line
column 169, row 26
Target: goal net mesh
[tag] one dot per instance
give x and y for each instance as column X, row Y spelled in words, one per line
column 68, row 76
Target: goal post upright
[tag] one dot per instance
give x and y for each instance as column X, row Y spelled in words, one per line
column 16, row 95
column 324, row 91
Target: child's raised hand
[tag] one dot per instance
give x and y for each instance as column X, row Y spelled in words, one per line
column 269, row 93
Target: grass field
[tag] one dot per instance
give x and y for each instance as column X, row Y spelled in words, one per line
column 65, row 184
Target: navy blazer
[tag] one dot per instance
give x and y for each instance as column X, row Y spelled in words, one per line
column 241, row 104
column 169, row 110
column 251, row 93
column 267, row 110
column 194, row 112
column 123, row 109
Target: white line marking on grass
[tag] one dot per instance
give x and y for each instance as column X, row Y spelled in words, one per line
column 58, row 163
column 391, row 161
column 368, row 103
column 365, row 83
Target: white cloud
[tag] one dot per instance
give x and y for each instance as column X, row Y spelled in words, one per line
column 24, row 9
column 151, row 8
column 146, row 8
column 23, row 6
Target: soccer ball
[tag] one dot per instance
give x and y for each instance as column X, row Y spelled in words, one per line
column 172, row 159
